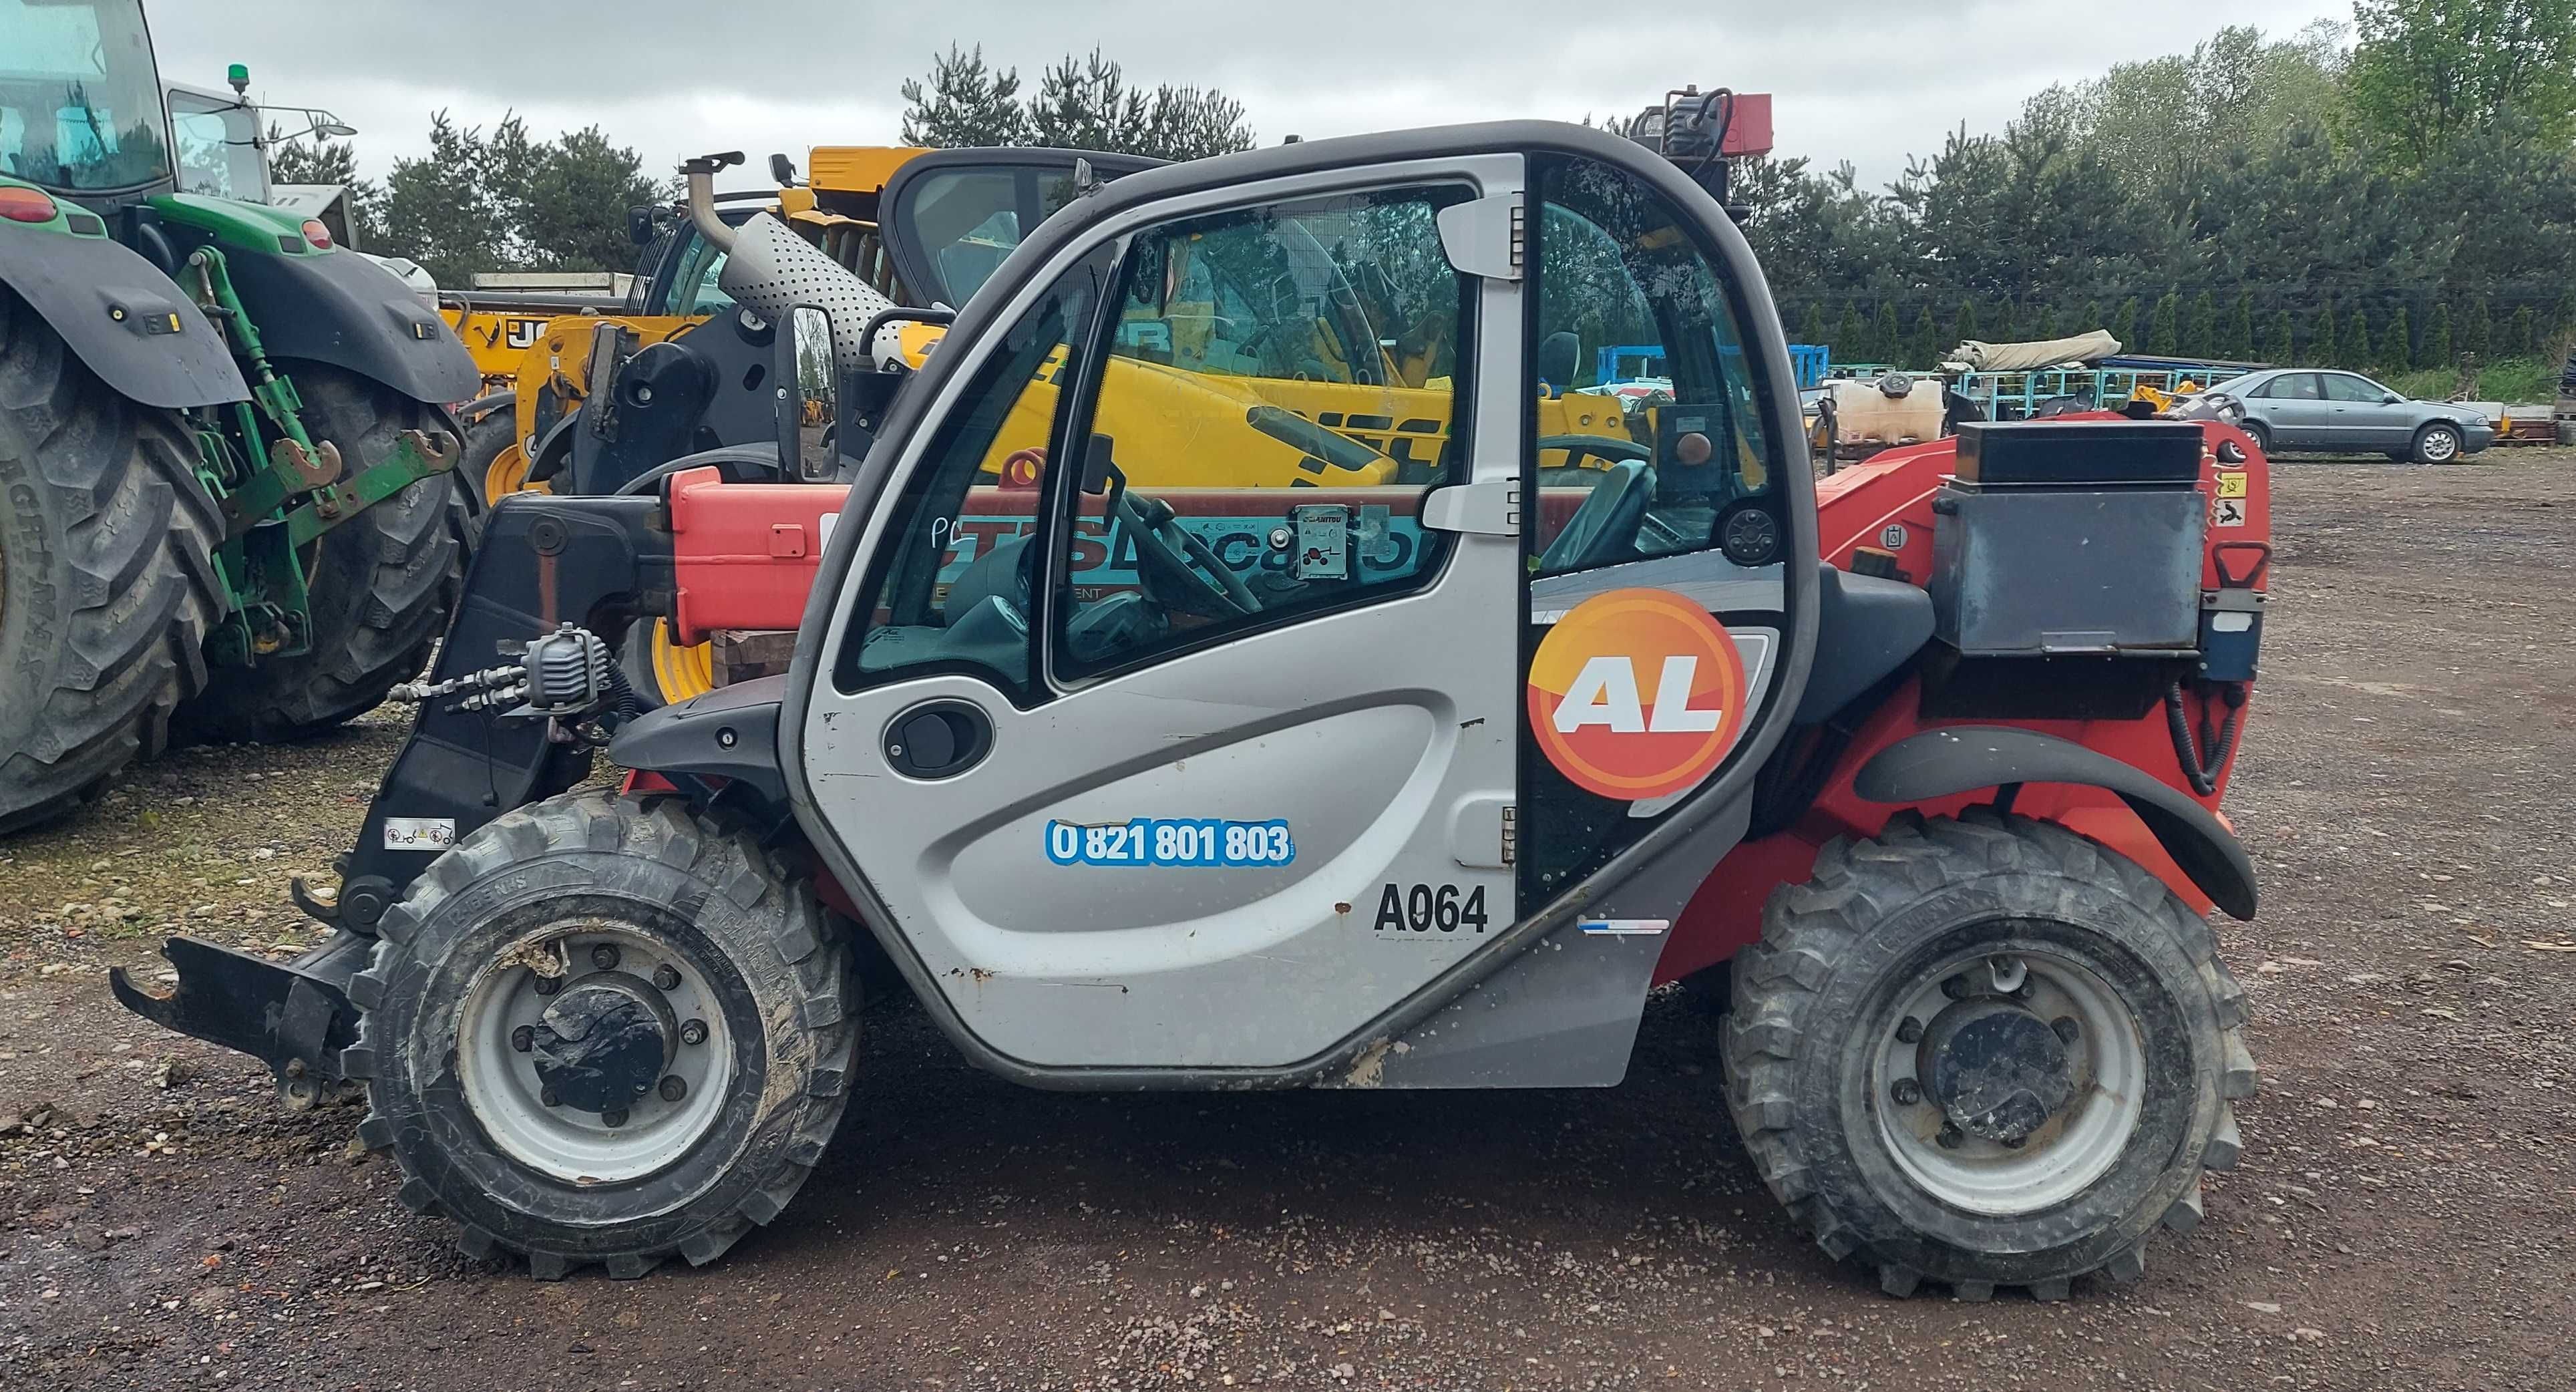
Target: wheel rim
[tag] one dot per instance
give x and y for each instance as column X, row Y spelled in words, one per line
column 508, row 474
column 2439, row 445
column 507, row 1088
column 681, row 670
column 1951, row 1127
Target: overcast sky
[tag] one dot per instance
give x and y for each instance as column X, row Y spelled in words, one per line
column 1865, row 83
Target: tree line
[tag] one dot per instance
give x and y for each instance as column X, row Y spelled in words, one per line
column 2404, row 201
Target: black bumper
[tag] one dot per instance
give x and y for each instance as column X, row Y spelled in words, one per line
column 293, row 1016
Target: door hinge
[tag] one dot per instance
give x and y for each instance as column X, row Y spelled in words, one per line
column 1511, row 834
column 1489, row 508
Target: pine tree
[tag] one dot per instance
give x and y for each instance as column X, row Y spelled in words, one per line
column 2124, row 325
column 2044, row 327
column 2321, row 344
column 2397, row 343
column 2356, row 341
column 1964, row 327
column 2279, row 351
column 2522, row 340
column 1887, row 345
column 2437, row 336
column 2007, row 327
column 1813, row 330
column 1924, row 349
column 2477, row 328
column 2200, row 339
column 2239, row 342
column 2164, row 330
column 2562, row 321
column 1847, row 342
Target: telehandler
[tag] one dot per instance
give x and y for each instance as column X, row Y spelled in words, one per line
column 1376, row 782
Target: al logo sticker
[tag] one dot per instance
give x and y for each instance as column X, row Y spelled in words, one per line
column 1636, row 694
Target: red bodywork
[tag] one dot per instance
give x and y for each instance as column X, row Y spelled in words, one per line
column 746, row 557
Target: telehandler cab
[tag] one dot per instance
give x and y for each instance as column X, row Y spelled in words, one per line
column 1395, row 783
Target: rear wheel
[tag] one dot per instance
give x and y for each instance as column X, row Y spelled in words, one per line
column 662, row 670
column 604, row 1030
column 2261, row 435
column 380, row 584
column 107, row 585
column 1985, row 1052
column 2437, row 444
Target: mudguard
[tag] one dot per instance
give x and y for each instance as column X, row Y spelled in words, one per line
column 1958, row 758
column 345, row 310
column 116, row 311
column 730, row 733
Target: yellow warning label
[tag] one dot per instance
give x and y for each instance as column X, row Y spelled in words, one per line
column 2231, row 485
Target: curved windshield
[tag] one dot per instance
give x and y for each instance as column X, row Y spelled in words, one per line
column 80, row 102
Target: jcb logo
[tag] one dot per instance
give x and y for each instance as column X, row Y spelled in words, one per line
column 1587, row 706
column 524, row 333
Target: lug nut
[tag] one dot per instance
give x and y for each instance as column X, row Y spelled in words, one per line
column 1907, row 1092
column 2066, row 1028
column 604, row 957
column 1956, row 988
column 666, row 977
column 548, row 1097
column 1951, row 1138
column 674, row 1088
column 523, row 1038
column 1909, row 1031
column 548, row 985
column 614, row 1116
column 694, row 1032
column 2016, row 1143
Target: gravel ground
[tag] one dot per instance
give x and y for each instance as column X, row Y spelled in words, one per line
column 2401, row 1218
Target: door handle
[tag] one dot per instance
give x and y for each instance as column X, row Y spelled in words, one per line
column 938, row 739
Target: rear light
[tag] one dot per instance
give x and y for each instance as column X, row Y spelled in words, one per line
column 317, row 234
column 26, row 205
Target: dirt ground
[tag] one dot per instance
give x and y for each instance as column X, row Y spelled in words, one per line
column 2403, row 1217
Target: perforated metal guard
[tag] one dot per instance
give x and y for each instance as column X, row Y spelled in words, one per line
column 771, row 271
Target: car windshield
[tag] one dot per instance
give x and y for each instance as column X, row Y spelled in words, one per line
column 218, row 146
column 80, row 102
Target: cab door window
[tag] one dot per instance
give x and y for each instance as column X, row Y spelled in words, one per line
column 1241, row 456
column 1648, row 418
column 951, row 587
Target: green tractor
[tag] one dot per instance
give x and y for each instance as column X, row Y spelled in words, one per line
column 225, row 441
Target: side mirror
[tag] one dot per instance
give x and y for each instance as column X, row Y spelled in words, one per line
column 1560, row 357
column 639, row 225
column 816, row 400
column 782, row 170
column 2390, row 399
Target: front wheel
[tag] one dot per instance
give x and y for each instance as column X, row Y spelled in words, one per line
column 2437, row 444
column 604, row 1030
column 1985, row 1052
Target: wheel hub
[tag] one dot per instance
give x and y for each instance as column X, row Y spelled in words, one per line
column 604, row 1041
column 1997, row 1071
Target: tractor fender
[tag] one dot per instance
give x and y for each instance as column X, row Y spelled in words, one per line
column 340, row 308
column 1960, row 758
column 729, row 733
column 116, row 310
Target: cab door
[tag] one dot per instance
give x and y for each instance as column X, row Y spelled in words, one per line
column 1166, row 728
column 1148, row 686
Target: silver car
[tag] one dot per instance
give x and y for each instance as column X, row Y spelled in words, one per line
column 2347, row 413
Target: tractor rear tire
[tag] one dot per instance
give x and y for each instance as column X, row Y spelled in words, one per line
column 491, row 427
column 381, row 587
column 2025, row 934
column 107, row 583
column 455, row 1035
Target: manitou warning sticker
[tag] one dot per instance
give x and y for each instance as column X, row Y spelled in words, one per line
column 1636, row 694
column 2231, row 485
column 2227, row 512
column 419, row 833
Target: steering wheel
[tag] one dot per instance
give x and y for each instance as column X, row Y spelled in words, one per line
column 1609, row 449
column 1165, row 553
column 1604, row 530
